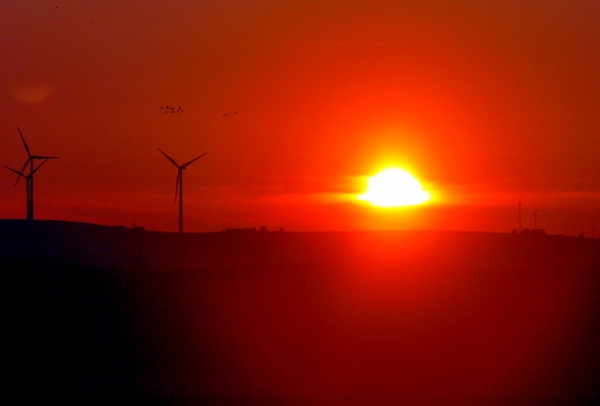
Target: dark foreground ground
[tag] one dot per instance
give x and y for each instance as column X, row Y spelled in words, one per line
column 121, row 316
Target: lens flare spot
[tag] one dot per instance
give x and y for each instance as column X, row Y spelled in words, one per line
column 32, row 92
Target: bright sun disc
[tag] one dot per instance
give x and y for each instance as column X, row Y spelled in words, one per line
column 394, row 187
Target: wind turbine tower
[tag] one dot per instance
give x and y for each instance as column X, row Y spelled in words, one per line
column 28, row 181
column 29, row 177
column 179, row 184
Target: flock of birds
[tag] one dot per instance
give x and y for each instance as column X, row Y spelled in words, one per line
column 179, row 110
column 168, row 109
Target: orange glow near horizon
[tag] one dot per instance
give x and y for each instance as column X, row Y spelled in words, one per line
column 394, row 188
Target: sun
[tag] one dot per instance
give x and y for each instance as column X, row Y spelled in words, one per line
column 394, row 187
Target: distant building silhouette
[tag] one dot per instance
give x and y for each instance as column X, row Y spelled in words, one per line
column 241, row 230
column 534, row 232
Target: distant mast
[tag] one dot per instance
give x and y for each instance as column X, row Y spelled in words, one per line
column 519, row 217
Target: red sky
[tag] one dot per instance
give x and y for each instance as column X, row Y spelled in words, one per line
column 485, row 102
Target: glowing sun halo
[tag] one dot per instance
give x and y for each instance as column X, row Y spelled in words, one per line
column 394, row 187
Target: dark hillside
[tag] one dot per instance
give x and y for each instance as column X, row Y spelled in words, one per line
column 124, row 248
column 407, row 317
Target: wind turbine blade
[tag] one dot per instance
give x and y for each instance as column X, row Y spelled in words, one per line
column 25, row 165
column 177, row 184
column 187, row 163
column 168, row 157
column 38, row 167
column 15, row 171
column 24, row 143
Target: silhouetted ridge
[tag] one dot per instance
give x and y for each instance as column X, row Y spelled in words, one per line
column 121, row 315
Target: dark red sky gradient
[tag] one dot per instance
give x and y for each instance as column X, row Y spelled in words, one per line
column 486, row 102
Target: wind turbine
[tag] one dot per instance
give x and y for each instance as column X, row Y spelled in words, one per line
column 29, row 177
column 179, row 183
column 28, row 180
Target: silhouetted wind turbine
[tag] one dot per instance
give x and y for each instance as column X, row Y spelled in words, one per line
column 29, row 177
column 179, row 184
